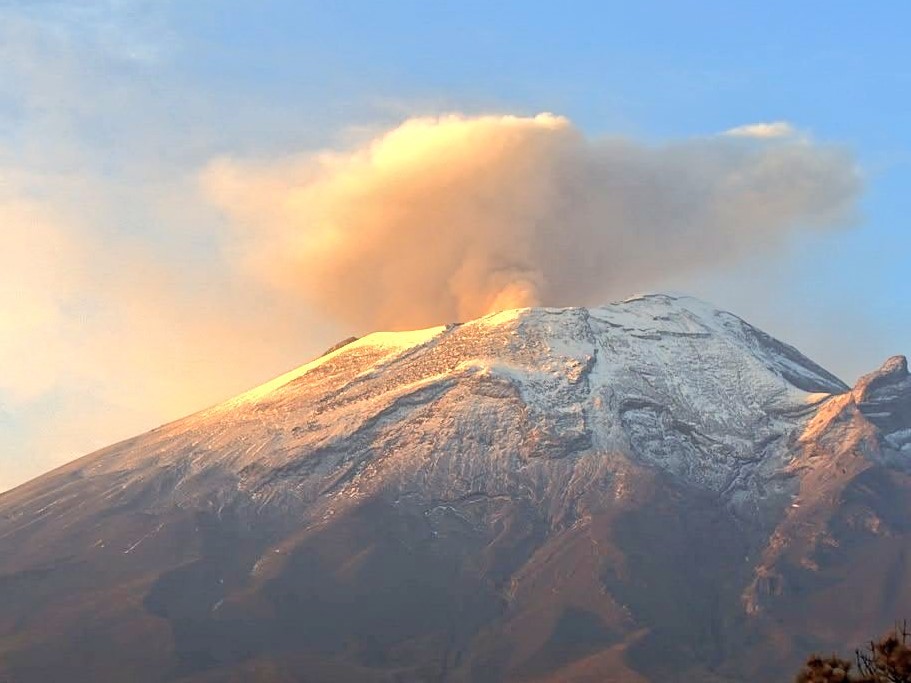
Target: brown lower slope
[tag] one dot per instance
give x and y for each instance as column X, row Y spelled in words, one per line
column 647, row 590
column 375, row 595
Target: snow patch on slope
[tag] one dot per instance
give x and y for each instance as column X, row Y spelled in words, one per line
column 393, row 342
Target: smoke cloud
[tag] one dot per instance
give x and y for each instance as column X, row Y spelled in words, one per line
column 453, row 217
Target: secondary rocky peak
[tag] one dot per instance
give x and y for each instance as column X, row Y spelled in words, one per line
column 894, row 371
column 884, row 397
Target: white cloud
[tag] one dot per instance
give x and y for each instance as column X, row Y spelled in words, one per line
column 771, row 130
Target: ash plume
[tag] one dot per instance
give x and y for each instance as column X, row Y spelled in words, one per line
column 452, row 217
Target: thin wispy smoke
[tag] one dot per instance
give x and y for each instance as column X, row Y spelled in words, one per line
column 453, row 217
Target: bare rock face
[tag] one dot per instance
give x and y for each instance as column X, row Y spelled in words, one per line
column 884, row 397
column 652, row 490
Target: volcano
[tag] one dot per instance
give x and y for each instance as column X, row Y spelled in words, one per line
column 653, row 490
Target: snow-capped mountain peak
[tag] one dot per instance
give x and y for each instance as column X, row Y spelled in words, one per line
column 683, row 387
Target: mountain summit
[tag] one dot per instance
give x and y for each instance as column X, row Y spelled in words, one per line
column 651, row 490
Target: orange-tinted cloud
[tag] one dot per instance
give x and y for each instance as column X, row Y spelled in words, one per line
column 101, row 337
column 39, row 262
column 452, row 217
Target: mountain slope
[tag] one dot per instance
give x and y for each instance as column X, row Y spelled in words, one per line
column 635, row 492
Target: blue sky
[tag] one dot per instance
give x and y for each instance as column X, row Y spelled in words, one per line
column 109, row 110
